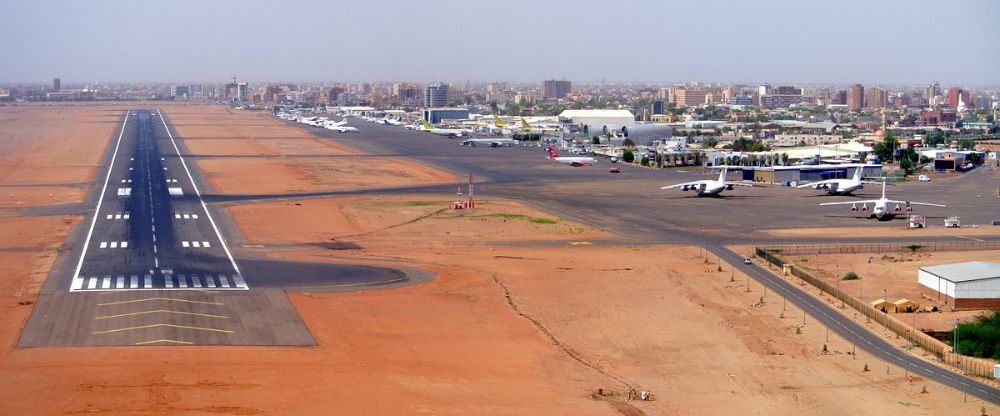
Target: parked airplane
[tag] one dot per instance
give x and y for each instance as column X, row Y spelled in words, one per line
column 444, row 132
column 708, row 187
column 881, row 209
column 330, row 124
column 571, row 160
column 840, row 186
column 492, row 142
column 343, row 129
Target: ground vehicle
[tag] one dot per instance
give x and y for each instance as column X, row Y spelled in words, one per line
column 747, row 261
column 615, row 170
column 924, row 178
column 614, row 159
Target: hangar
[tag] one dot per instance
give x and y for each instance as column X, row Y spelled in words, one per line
column 598, row 118
column 969, row 285
column 808, row 173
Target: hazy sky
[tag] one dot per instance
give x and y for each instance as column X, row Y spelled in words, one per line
column 870, row 41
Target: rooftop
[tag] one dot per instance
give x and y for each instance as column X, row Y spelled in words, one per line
column 965, row 272
column 596, row 113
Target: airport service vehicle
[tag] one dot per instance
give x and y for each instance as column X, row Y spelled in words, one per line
column 614, row 159
column 747, row 261
column 881, row 210
column 615, row 170
column 575, row 161
column 840, row 186
column 708, row 187
column 444, row 132
column 924, row 178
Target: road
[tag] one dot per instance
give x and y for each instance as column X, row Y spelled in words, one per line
column 855, row 333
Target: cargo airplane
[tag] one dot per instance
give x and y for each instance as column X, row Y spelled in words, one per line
column 708, row 187
column 840, row 186
column 880, row 210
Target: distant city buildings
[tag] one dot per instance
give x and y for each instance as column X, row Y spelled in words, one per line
column 436, row 96
column 856, row 96
column 557, row 88
column 955, row 95
column 56, row 84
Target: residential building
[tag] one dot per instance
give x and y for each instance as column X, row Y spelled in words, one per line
column 856, row 96
column 557, row 88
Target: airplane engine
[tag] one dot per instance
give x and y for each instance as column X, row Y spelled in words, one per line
column 909, row 209
column 854, row 208
column 729, row 187
column 898, row 208
column 864, row 208
column 685, row 188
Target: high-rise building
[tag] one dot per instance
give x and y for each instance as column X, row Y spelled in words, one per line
column 955, row 94
column 241, row 91
column 656, row 107
column 839, row 97
column 179, row 90
column 875, row 98
column 56, row 84
column 557, row 88
column 688, row 97
column 333, row 94
column 436, row 96
column 856, row 96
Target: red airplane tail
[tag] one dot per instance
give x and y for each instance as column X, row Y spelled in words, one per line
column 552, row 153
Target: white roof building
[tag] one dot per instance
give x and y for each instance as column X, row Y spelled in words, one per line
column 969, row 285
column 599, row 117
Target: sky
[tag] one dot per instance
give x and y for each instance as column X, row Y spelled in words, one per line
column 808, row 42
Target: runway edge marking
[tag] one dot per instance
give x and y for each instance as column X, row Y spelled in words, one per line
column 77, row 283
column 198, row 192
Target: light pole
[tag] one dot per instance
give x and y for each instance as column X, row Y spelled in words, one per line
column 954, row 347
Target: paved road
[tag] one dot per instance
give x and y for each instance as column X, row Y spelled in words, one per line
column 855, row 333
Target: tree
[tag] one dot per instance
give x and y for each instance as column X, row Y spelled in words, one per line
column 644, row 161
column 709, row 143
column 966, row 144
column 885, row 150
column 628, row 156
column 595, row 140
column 906, row 165
column 628, row 144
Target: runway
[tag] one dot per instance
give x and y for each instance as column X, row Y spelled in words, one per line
column 152, row 230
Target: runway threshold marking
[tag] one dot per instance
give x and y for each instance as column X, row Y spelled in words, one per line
column 169, row 341
column 206, row 315
column 100, row 199
column 160, row 298
column 135, row 328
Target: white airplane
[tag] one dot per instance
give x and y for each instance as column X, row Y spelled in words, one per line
column 444, row 132
column 840, row 186
column 881, row 209
column 344, row 129
column 312, row 121
column 571, row 160
column 492, row 142
column 708, row 187
column 330, row 124
column 394, row 121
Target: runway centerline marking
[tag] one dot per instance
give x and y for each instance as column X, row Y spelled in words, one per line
column 100, row 199
column 169, row 341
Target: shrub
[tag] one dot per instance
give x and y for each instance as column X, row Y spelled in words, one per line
column 851, row 276
column 644, row 161
column 628, row 156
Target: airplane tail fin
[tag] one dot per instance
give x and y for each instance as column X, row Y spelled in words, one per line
column 525, row 124
column 857, row 173
column 722, row 175
column 552, row 153
column 883, row 188
column 498, row 122
column 426, row 124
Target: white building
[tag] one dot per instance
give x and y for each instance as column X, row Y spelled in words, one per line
column 969, row 285
column 598, row 117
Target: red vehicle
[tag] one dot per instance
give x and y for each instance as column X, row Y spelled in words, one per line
column 615, row 170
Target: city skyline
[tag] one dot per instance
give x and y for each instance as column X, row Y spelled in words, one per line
column 909, row 43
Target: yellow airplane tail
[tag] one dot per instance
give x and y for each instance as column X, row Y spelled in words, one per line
column 427, row 125
column 498, row 122
column 525, row 124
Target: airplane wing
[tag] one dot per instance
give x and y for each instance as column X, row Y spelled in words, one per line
column 681, row 185
column 916, row 203
column 739, row 184
column 812, row 184
column 867, row 201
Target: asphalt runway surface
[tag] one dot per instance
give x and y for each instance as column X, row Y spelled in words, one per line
column 152, row 264
column 632, row 205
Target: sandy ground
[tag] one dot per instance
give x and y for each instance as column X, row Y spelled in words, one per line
column 505, row 329
column 894, row 276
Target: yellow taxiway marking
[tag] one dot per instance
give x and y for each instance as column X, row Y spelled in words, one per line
column 169, row 341
column 207, row 315
column 576, row 243
column 132, row 328
column 158, row 298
